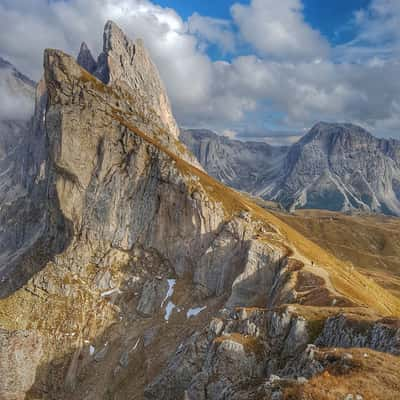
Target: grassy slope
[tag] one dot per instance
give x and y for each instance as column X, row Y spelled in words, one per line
column 348, row 282
column 370, row 243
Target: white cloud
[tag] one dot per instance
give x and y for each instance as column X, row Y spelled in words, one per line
column 291, row 81
column 27, row 31
column 379, row 22
column 377, row 33
column 16, row 98
column 277, row 29
column 14, row 107
column 213, row 31
column 229, row 133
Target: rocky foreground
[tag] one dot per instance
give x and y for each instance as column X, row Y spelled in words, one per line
column 129, row 273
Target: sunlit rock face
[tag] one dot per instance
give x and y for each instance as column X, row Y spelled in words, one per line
column 127, row 63
column 121, row 210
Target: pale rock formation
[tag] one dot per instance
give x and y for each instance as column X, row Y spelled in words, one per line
column 242, row 165
column 127, row 63
column 118, row 199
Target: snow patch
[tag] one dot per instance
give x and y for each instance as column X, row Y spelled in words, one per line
column 192, row 312
column 168, row 310
column 170, row 292
column 91, row 350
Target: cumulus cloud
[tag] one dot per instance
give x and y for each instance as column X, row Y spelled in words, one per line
column 377, row 33
column 292, row 79
column 379, row 23
column 213, row 31
column 14, row 107
column 16, row 99
column 277, row 29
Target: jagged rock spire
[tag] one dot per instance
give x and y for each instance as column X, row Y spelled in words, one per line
column 127, row 63
column 85, row 58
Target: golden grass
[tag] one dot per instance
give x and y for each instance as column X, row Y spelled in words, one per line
column 371, row 243
column 370, row 374
column 346, row 280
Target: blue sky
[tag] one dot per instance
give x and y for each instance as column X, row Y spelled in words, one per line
column 216, row 9
column 254, row 69
column 331, row 17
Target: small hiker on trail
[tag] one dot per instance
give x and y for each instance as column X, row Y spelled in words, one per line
column 312, row 263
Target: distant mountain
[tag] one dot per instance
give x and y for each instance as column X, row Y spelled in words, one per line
column 241, row 165
column 338, row 167
column 17, row 99
column 18, row 77
column 17, row 93
column 22, row 166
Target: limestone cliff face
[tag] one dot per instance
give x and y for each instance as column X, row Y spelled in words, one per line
column 127, row 190
column 126, row 66
column 126, row 212
column 340, row 167
column 85, row 58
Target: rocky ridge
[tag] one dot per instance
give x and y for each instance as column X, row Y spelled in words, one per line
column 127, row 64
column 337, row 167
column 150, row 257
column 241, row 165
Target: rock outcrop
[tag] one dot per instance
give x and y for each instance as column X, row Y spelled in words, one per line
column 121, row 208
column 127, row 63
column 19, row 359
column 85, row 59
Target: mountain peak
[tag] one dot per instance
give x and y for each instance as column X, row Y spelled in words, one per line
column 85, row 58
column 329, row 130
column 126, row 63
column 331, row 127
column 6, row 65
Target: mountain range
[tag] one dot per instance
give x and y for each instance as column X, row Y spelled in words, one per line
column 338, row 167
column 128, row 272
